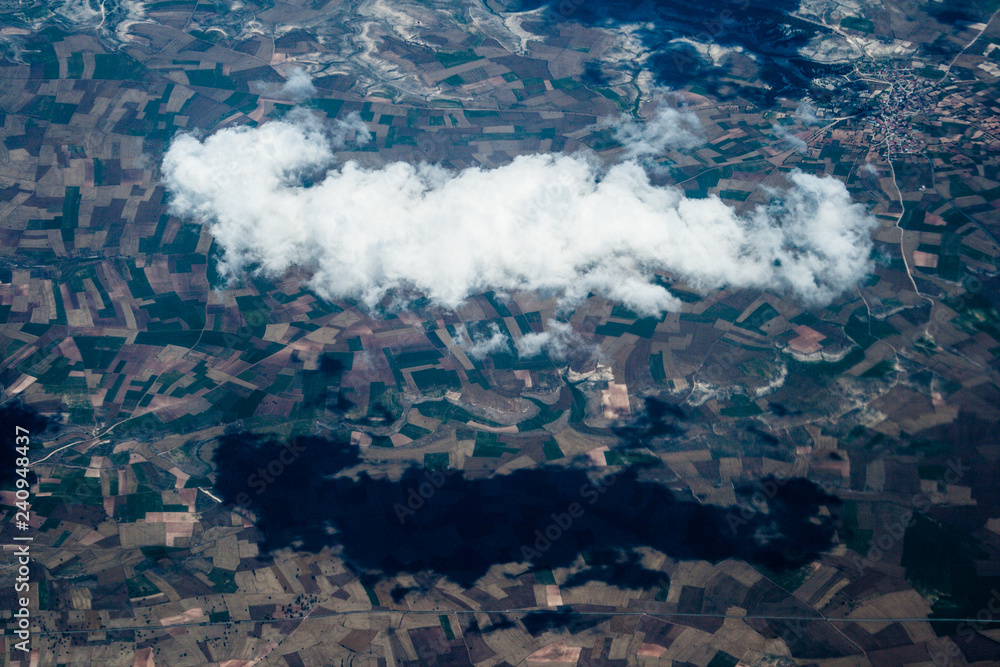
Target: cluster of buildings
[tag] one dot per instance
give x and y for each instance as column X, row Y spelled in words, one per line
column 898, row 95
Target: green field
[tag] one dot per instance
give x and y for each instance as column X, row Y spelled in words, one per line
column 857, row 23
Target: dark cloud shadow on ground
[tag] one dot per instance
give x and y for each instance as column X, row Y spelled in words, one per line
column 764, row 29
column 659, row 419
column 459, row 527
column 34, row 425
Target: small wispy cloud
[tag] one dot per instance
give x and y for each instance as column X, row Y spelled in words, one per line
column 558, row 340
column 668, row 128
column 478, row 346
column 787, row 140
column 297, row 87
column 805, row 113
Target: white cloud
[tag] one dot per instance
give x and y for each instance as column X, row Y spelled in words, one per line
column 787, row 140
column 296, row 87
column 350, row 130
column 668, row 128
column 558, row 340
column 559, row 223
column 479, row 347
column 806, row 113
